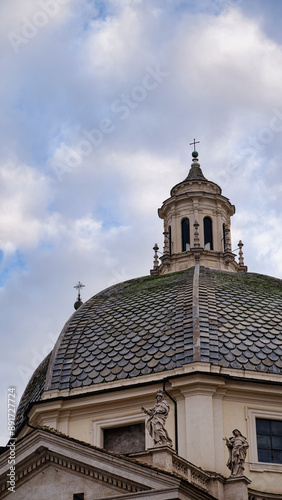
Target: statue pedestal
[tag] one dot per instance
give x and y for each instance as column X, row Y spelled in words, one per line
column 236, row 488
column 159, row 456
column 162, row 457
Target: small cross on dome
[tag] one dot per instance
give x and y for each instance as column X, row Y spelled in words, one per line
column 195, row 153
column 78, row 302
column 78, row 287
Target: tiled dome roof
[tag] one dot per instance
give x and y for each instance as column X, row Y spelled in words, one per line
column 147, row 325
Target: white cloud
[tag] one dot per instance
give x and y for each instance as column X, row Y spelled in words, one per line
column 23, row 199
column 230, row 59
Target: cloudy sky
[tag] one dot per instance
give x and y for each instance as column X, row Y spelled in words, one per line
column 99, row 102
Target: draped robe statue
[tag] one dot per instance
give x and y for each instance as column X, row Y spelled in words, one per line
column 157, row 417
column 237, row 446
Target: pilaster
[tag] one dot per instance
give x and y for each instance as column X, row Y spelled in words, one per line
column 203, row 420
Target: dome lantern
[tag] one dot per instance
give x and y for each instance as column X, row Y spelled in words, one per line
column 197, row 203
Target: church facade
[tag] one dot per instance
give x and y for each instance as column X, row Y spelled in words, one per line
column 167, row 386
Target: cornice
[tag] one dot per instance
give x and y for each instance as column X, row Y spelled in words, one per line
column 47, row 457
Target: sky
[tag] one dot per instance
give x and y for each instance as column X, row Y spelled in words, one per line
column 99, row 101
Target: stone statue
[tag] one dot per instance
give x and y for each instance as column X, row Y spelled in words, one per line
column 157, row 417
column 237, row 446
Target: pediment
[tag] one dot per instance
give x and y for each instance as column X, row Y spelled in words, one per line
column 57, row 478
column 54, row 466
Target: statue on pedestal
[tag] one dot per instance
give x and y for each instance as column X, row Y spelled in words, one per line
column 157, row 417
column 237, row 446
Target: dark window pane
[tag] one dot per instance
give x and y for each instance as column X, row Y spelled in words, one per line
column 208, row 240
column 277, row 457
column 127, row 439
column 78, row 496
column 276, row 427
column 264, row 455
column 269, row 438
column 264, row 442
column 263, row 426
column 185, row 230
column 277, row 443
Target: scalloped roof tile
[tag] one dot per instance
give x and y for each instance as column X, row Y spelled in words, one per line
column 146, row 326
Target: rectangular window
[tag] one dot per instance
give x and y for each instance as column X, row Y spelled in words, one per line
column 78, row 496
column 269, row 440
column 126, row 439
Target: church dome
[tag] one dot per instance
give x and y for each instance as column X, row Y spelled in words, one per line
column 200, row 330
column 162, row 324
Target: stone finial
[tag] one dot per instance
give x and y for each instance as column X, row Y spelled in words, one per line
column 156, row 258
column 227, row 239
column 237, row 446
column 157, row 417
column 166, row 243
column 228, row 255
column 196, row 234
column 196, row 250
column 241, row 257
